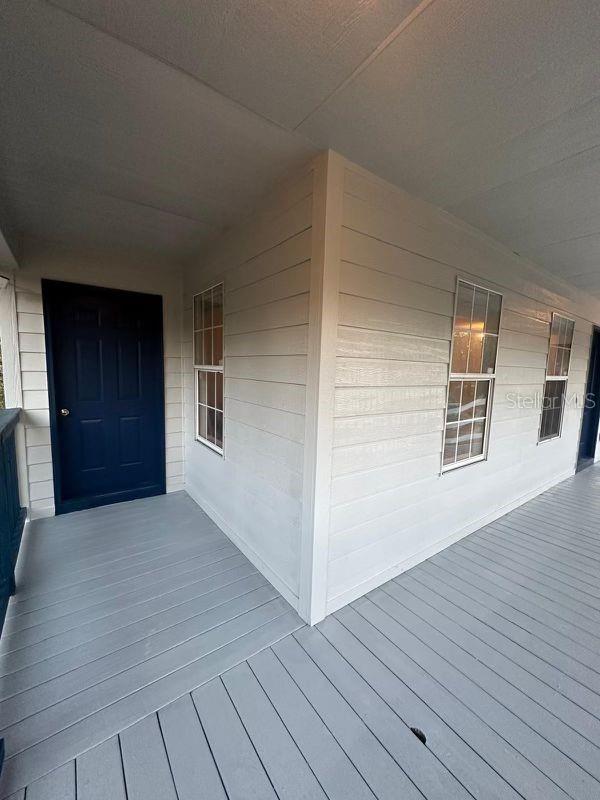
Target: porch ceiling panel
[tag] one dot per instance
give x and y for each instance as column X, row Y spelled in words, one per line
column 190, row 109
column 102, row 143
column 280, row 58
column 490, row 110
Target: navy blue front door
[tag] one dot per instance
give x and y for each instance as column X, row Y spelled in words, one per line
column 105, row 381
column 589, row 423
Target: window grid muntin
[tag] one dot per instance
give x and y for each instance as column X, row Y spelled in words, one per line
column 465, row 377
column 210, row 332
column 565, row 326
column 464, row 422
column 208, row 369
column 486, row 333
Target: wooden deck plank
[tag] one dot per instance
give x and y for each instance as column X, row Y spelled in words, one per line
column 517, row 546
column 227, row 646
column 571, row 520
column 378, row 768
column 95, row 590
column 240, row 767
column 166, row 652
column 148, row 601
column 100, row 772
column 71, row 580
column 549, row 530
column 574, row 734
column 103, row 547
column 145, row 763
column 139, row 589
column 111, row 617
column 88, row 647
column 193, row 768
column 575, row 659
column 534, row 595
column 539, row 541
column 136, row 645
column 420, row 764
column 559, row 769
column 289, row 772
column 447, row 735
column 517, row 770
column 335, row 771
column 563, row 591
column 525, row 607
column 56, row 785
column 491, row 648
column 456, row 607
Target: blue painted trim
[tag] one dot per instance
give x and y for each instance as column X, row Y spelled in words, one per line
column 12, row 516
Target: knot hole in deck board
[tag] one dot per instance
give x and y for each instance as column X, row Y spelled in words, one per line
column 420, row 735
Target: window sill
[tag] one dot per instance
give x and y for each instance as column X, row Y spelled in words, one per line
column 210, row 446
column 461, row 464
column 549, row 439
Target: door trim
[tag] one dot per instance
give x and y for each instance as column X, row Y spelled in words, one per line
column 66, row 506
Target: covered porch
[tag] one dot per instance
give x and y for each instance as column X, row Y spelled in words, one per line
column 300, row 379
column 136, row 665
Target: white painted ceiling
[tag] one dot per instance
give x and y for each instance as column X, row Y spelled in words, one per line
column 149, row 125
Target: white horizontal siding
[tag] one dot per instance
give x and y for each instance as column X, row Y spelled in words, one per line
column 254, row 491
column 355, row 401
column 390, row 506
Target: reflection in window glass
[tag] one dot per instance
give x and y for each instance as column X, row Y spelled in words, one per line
column 557, row 370
column 208, row 364
column 466, row 419
column 473, row 366
column 552, row 408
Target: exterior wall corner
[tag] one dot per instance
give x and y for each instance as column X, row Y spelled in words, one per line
column 323, row 319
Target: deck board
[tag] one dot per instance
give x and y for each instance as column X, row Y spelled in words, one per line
column 241, row 769
column 199, row 681
column 145, row 762
column 194, row 771
column 289, row 772
column 120, row 611
column 100, row 772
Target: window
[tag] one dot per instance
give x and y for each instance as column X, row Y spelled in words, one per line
column 557, row 371
column 472, row 372
column 208, row 366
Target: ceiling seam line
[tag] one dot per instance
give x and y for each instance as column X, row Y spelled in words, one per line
column 391, row 37
column 526, row 175
column 175, row 67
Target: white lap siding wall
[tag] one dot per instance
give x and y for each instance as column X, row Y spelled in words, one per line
column 254, row 492
column 390, row 507
column 49, row 260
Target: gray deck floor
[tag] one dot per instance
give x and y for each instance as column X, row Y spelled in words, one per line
column 119, row 611
column 491, row 648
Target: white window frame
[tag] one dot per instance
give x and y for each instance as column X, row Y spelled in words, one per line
column 468, row 376
column 199, row 368
column 556, row 378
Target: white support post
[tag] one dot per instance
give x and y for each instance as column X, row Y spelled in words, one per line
column 320, row 389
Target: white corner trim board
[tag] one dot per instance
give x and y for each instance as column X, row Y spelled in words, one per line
column 320, row 390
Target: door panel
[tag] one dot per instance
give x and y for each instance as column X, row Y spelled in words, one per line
column 105, row 369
